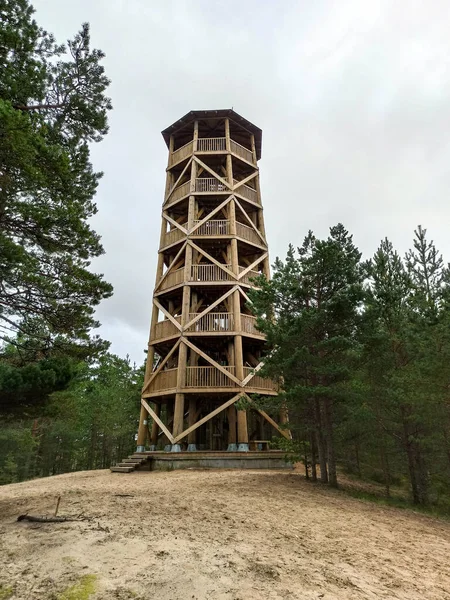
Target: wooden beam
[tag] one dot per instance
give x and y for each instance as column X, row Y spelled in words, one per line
column 284, row 432
column 211, row 258
column 177, row 225
column 244, row 181
column 177, row 181
column 207, row 310
column 211, row 214
column 171, row 265
column 245, row 295
column 154, row 416
column 160, row 366
column 254, row 263
column 244, row 212
column 251, row 375
column 213, row 173
column 167, row 314
column 212, row 361
column 207, row 418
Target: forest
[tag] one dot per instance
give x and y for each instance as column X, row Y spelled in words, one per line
column 360, row 347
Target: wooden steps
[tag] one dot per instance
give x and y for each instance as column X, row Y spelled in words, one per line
column 130, row 464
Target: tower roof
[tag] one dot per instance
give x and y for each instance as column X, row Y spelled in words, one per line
column 195, row 115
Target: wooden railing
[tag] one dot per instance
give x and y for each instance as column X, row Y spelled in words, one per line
column 166, row 328
column 217, row 144
column 259, row 383
column 165, row 380
column 181, row 153
column 212, row 322
column 209, row 184
column 173, row 278
column 248, row 325
column 209, row 273
column 182, row 190
column 173, row 235
column 241, row 151
column 249, row 275
column 248, row 233
column 246, row 192
column 216, row 227
column 208, row 377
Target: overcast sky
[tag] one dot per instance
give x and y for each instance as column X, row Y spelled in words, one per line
column 353, row 98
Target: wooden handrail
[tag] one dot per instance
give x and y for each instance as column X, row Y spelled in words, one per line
column 208, row 377
column 212, row 321
column 216, row 144
column 241, row 151
column 209, row 184
column 181, row 153
column 246, row 191
column 247, row 233
column 213, row 227
column 209, row 273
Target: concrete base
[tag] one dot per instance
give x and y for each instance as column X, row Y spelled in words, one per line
column 152, row 448
column 170, row 461
column 232, row 448
column 176, row 448
column 140, row 449
column 192, row 448
column 243, row 448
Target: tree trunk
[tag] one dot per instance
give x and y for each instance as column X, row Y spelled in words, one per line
column 320, row 443
column 358, row 466
column 328, row 414
column 305, row 460
column 313, row 458
column 410, row 456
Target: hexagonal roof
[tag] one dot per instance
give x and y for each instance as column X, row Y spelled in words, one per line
column 195, row 115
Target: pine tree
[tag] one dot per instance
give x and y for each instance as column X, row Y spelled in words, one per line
column 52, row 106
column 309, row 313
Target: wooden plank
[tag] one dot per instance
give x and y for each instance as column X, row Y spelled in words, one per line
column 207, row 418
column 284, row 432
column 154, row 416
column 212, row 361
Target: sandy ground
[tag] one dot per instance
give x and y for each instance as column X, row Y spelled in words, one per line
column 225, row 535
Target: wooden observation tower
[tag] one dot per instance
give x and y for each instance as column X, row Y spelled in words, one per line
column 204, row 350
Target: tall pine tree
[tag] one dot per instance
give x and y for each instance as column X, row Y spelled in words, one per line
column 52, row 106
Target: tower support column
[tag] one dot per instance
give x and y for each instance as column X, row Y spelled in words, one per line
column 232, row 437
column 155, row 428
column 192, row 437
column 142, row 433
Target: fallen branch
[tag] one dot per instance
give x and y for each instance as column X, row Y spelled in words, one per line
column 34, row 519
